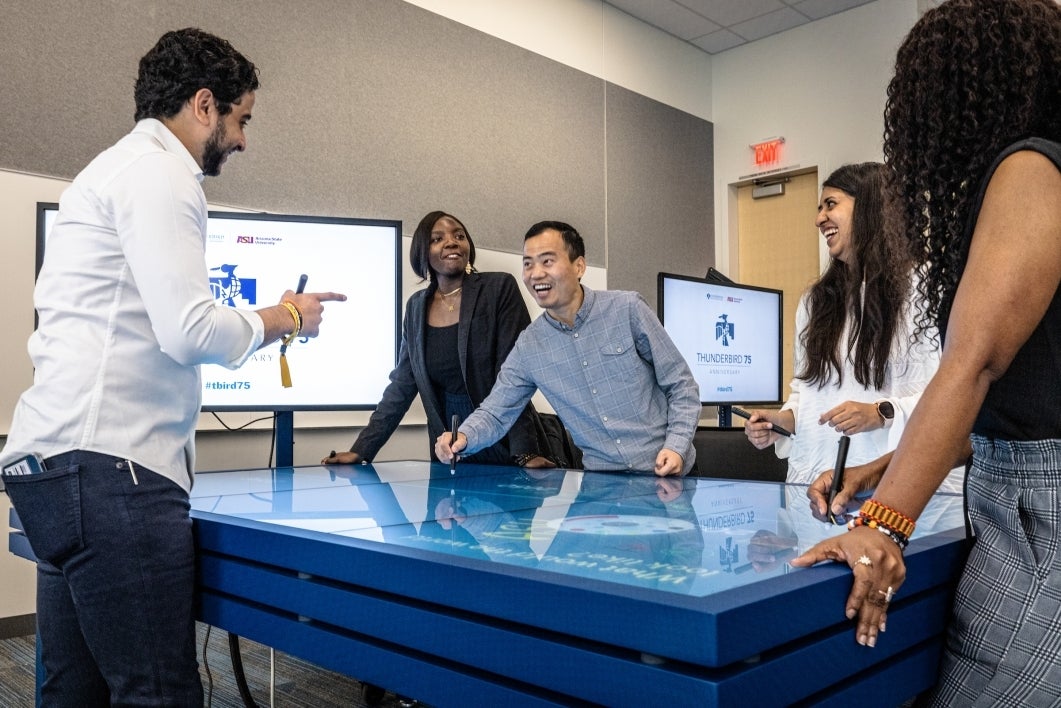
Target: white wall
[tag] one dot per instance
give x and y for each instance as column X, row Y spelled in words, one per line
column 821, row 86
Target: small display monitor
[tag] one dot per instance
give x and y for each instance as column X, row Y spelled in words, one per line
column 730, row 335
column 252, row 258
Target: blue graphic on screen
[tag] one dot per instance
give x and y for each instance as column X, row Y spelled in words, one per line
column 724, row 330
column 227, row 286
column 702, row 319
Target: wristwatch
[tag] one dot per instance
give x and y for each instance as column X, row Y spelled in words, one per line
column 886, row 411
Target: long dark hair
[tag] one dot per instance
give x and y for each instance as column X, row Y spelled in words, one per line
column 880, row 262
column 972, row 77
column 421, row 245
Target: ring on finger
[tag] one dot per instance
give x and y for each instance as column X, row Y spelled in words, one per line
column 864, row 560
column 888, row 594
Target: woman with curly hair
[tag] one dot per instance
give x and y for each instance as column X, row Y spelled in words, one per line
column 859, row 369
column 973, row 142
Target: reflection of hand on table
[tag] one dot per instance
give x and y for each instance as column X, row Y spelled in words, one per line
column 767, row 550
column 447, row 511
column 669, row 488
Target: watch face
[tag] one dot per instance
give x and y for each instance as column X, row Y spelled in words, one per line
column 886, row 409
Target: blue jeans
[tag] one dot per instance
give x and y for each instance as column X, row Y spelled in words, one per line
column 115, row 582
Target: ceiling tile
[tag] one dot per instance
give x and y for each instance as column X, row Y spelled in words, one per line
column 817, row 9
column 669, row 16
column 730, row 12
column 771, row 23
column 718, row 41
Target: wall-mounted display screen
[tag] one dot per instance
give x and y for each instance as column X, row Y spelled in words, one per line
column 251, row 259
column 730, row 335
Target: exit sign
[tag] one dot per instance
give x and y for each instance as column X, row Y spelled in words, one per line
column 768, row 152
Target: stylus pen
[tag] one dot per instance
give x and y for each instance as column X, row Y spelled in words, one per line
column 452, row 439
column 737, row 410
column 838, row 474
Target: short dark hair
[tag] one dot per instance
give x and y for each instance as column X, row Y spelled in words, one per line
column 421, row 245
column 184, row 61
column 576, row 247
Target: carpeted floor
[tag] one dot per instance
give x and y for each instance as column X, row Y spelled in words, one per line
column 298, row 683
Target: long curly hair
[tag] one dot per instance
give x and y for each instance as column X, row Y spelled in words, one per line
column 870, row 292
column 972, row 77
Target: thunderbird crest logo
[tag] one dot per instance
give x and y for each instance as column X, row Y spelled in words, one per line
column 724, row 330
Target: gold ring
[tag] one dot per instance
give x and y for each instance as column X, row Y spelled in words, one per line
column 864, row 560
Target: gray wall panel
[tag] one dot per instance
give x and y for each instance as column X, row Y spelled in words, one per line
column 367, row 108
column 660, row 194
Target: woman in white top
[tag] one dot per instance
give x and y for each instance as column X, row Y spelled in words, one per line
column 859, row 369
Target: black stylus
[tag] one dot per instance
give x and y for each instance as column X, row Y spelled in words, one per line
column 838, row 474
column 452, row 439
column 747, row 416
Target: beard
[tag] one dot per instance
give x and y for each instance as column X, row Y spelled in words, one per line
column 214, row 151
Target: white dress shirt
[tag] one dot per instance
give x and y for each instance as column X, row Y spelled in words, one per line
column 126, row 314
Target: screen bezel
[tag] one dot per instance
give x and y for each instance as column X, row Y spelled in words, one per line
column 43, row 209
column 661, row 279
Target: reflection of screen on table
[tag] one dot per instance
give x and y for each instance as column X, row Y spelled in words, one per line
column 729, row 334
column 251, row 259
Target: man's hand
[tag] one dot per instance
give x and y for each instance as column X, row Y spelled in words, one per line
column 668, row 462
column 444, row 451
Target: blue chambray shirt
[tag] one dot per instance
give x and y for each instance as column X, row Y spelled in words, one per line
column 615, row 378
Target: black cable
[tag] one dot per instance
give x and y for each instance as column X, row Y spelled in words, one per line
column 237, row 671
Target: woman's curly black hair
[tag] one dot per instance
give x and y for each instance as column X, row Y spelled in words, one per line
column 184, row 61
column 972, row 77
column 871, row 291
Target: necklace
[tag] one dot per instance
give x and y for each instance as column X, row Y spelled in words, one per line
column 443, row 295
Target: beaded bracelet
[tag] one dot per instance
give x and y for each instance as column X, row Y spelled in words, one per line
column 899, row 539
column 888, row 517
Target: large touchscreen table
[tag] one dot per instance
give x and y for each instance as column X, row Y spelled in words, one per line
column 497, row 586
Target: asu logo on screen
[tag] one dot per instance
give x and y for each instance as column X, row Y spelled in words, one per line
column 244, row 239
column 226, row 286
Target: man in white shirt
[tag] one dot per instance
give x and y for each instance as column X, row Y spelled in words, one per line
column 125, row 318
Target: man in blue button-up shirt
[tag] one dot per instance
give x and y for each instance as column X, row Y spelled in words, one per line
column 602, row 360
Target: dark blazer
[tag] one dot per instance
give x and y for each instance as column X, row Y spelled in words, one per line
column 492, row 315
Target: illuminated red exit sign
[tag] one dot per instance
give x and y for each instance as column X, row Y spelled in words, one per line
column 768, row 152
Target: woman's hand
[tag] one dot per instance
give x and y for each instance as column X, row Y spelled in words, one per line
column 342, row 458
column 759, row 428
column 878, row 568
column 860, row 478
column 851, row 417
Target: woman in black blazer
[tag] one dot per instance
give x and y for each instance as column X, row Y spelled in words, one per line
column 456, row 334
